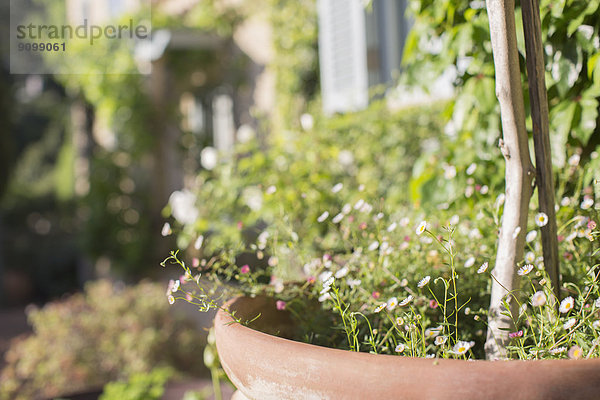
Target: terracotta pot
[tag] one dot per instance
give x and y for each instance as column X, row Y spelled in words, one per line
column 265, row 367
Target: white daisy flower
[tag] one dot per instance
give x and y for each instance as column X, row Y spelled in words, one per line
column 566, row 305
column 440, row 340
column 392, row 227
column 471, row 169
column 271, row 189
column 400, row 348
column 531, row 236
column 380, row 307
column 353, row 282
column 341, row 273
column 346, row 209
column 166, row 229
column 424, row 281
column 323, row 216
column 597, row 302
column 587, row 203
column 470, row 262
column 484, row 189
column 392, row 303
column 406, row 300
column 337, row 187
column 359, row 204
column 557, row 350
column 454, row 220
column 171, row 299
column 373, row 246
column 524, row 270
column 570, row 323
column 483, row 268
column 529, row 257
column 541, row 219
column 175, row 286
column 596, row 324
column 421, row 227
column 432, row 332
column 461, row 347
column 324, row 297
column 337, row 218
column 404, row 221
column 565, row 201
column 574, row 160
column 538, row 299
column 198, row 242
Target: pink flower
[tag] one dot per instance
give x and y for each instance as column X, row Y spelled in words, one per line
column 245, row 269
column 568, row 256
column 560, row 238
column 591, row 224
column 240, row 225
column 407, row 238
column 311, row 279
column 375, row 295
column 280, row 305
column 363, row 225
column 195, row 262
column 516, row 334
column 433, row 304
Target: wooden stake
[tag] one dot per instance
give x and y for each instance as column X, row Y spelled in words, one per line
column 541, row 138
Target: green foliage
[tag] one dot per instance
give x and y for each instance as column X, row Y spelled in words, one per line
column 461, row 29
column 107, row 333
column 139, row 386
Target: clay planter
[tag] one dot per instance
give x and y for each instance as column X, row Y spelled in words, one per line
column 265, row 367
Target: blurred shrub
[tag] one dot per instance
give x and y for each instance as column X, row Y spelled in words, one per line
column 105, row 334
column 140, row 386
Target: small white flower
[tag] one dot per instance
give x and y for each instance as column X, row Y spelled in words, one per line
column 449, row 171
column 538, row 299
column 166, row 229
column 541, row 219
column 271, row 189
column 323, row 216
column 587, row 203
column 597, row 302
column 516, row 232
column 380, row 307
column 531, row 236
column 432, row 332
column 337, row 218
column 171, row 299
column 358, row 205
column 529, row 257
column 361, row 187
column 346, row 158
column 596, row 324
column 454, row 220
column 440, row 340
column 461, row 347
column 469, row 191
column 209, row 157
column 400, row 348
column 404, row 282
column 337, row 187
column 557, row 350
column 373, row 246
column 471, row 169
column 484, row 189
column 483, row 268
column 570, row 323
column 324, row 297
column 424, row 281
column 378, row 216
column 567, row 305
column 392, row 226
column 392, row 303
column 353, row 282
column 175, row 286
column 470, row 262
column 574, row 160
column 565, row 201
column 307, row 122
column 404, row 221
column 341, row 273
column 346, row 209
column 421, row 227
column 406, row 300
column 198, row 242
column 524, row 270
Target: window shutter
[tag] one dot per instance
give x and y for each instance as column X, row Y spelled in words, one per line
column 343, row 55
